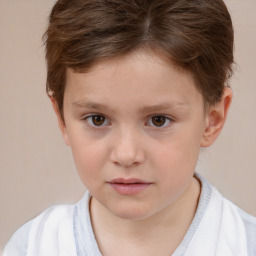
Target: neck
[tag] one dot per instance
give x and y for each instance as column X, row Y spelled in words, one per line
column 114, row 232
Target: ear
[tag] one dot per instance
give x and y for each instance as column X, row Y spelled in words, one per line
column 61, row 123
column 216, row 118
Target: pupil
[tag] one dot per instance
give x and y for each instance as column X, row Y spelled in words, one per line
column 159, row 120
column 98, row 120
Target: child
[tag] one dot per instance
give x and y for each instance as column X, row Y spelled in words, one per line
column 138, row 87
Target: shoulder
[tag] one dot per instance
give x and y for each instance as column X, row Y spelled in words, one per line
column 44, row 233
column 247, row 221
column 237, row 226
column 52, row 219
column 247, row 224
column 18, row 244
column 224, row 228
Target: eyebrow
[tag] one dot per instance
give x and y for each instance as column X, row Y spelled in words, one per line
column 146, row 109
column 163, row 106
column 92, row 105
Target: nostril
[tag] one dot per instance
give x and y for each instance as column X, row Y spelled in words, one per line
column 126, row 163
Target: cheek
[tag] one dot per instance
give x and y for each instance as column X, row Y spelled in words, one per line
column 176, row 166
column 177, row 158
column 89, row 156
column 182, row 151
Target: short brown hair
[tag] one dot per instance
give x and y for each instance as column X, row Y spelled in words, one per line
column 196, row 35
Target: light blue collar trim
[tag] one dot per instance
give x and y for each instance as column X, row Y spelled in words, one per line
column 86, row 244
column 206, row 192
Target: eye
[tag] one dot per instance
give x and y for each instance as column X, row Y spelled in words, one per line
column 97, row 120
column 159, row 121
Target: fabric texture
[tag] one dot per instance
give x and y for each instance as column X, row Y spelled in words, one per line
column 218, row 228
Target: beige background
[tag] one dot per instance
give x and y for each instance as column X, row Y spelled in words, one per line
column 37, row 168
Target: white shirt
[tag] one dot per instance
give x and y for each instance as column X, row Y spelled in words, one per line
column 219, row 228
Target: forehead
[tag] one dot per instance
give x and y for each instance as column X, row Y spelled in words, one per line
column 142, row 75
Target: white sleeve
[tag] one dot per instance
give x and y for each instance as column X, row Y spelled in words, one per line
column 18, row 244
column 250, row 229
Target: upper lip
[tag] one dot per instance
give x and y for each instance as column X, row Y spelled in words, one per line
column 128, row 181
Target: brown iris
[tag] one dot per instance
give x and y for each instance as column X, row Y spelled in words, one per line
column 158, row 120
column 98, row 120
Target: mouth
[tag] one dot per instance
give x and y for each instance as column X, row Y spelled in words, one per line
column 129, row 186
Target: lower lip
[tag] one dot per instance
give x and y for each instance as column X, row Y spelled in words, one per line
column 129, row 189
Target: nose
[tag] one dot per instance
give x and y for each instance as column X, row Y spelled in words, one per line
column 127, row 149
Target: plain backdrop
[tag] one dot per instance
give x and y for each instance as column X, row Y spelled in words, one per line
column 36, row 168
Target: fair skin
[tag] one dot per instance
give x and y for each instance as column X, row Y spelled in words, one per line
column 135, row 126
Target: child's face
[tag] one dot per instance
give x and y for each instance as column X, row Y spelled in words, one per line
column 135, row 126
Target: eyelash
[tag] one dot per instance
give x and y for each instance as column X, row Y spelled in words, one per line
column 167, row 121
column 89, row 119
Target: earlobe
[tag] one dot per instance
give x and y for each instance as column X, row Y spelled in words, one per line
column 216, row 118
column 61, row 123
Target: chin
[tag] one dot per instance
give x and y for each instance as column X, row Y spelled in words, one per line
column 132, row 213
